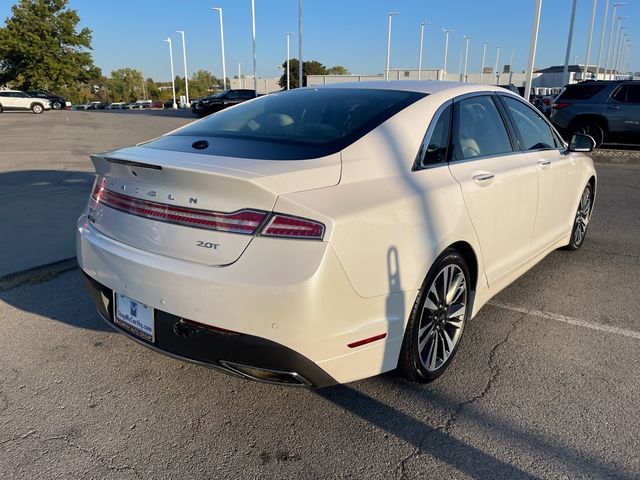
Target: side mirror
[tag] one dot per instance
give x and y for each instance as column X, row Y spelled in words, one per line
column 581, row 143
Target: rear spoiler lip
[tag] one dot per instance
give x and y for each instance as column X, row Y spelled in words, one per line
column 132, row 163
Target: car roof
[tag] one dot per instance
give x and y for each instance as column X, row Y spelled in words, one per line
column 421, row 86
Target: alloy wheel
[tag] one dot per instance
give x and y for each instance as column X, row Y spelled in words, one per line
column 442, row 318
column 582, row 216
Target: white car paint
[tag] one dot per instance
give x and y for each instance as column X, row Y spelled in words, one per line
column 385, row 226
column 18, row 100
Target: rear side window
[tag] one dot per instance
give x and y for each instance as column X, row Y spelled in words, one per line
column 581, row 92
column 478, row 129
column 534, row 131
column 331, row 117
column 434, row 149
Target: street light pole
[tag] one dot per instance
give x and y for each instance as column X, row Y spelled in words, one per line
column 607, row 65
column 604, row 31
column 186, row 75
column 446, row 51
column 421, row 44
column 620, row 47
column 300, row 63
column 532, row 49
column 386, row 69
column 466, row 56
column 484, row 54
column 173, row 78
column 586, row 58
column 288, row 56
column 224, row 65
column 497, row 66
column 511, row 69
column 616, row 46
column 565, row 70
column 240, row 82
column 253, row 35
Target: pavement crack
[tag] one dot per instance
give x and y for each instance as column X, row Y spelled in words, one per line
column 495, row 373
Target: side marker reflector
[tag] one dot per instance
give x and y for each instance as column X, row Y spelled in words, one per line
column 364, row 341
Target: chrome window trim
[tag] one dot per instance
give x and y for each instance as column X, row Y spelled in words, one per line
column 417, row 163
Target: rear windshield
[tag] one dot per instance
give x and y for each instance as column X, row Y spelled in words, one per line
column 581, row 92
column 324, row 120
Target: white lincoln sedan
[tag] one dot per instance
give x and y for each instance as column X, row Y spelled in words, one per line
column 324, row 235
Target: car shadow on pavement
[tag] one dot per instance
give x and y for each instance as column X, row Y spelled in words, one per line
column 62, row 299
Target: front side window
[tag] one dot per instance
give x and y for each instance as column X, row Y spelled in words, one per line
column 621, row 94
column 478, row 129
column 534, row 131
column 628, row 94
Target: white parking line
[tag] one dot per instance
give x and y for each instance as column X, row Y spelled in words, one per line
column 571, row 321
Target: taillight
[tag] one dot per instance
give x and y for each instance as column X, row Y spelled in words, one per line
column 246, row 221
column 560, row 105
column 243, row 221
column 293, row 227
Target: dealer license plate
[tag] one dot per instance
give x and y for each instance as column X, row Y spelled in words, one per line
column 134, row 317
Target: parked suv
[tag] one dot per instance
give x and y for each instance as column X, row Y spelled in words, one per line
column 220, row 101
column 57, row 102
column 607, row 111
column 17, row 100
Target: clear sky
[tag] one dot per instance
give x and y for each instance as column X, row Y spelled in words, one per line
column 351, row 33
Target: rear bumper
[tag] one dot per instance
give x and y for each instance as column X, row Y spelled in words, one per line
column 290, row 300
column 226, row 351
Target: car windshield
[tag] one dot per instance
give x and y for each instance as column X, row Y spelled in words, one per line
column 308, row 117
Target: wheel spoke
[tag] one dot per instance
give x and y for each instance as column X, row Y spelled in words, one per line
column 433, row 357
column 453, row 291
column 456, row 310
column 449, row 340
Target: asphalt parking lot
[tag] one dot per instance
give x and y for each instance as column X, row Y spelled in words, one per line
column 545, row 385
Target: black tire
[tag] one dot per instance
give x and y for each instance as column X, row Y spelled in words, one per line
column 591, row 128
column 56, row 105
column 581, row 220
column 419, row 361
column 1, row 109
column 37, row 108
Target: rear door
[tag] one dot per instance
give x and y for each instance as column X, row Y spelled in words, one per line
column 499, row 184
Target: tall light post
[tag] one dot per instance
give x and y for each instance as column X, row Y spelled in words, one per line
column 240, row 82
column 627, row 59
column 300, row 63
column 446, row 51
column 224, row 65
column 604, row 31
column 288, row 56
column 565, row 70
column 186, row 75
column 620, row 47
column 173, row 78
column 607, row 59
column 586, row 58
column 386, row 69
column 625, row 43
column 421, row 44
column 466, row 57
column 616, row 45
column 511, row 68
column 532, row 49
column 484, row 55
column 253, row 36
column 497, row 66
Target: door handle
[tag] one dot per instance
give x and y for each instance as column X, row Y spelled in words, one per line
column 613, row 107
column 544, row 163
column 483, row 179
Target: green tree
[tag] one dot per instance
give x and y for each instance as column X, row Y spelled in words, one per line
column 40, row 47
column 337, row 70
column 203, row 83
column 125, row 85
column 312, row 67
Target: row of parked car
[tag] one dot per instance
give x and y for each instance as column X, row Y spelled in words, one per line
column 37, row 101
column 138, row 104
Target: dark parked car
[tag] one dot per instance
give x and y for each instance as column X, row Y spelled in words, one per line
column 607, row 111
column 220, row 101
column 57, row 102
